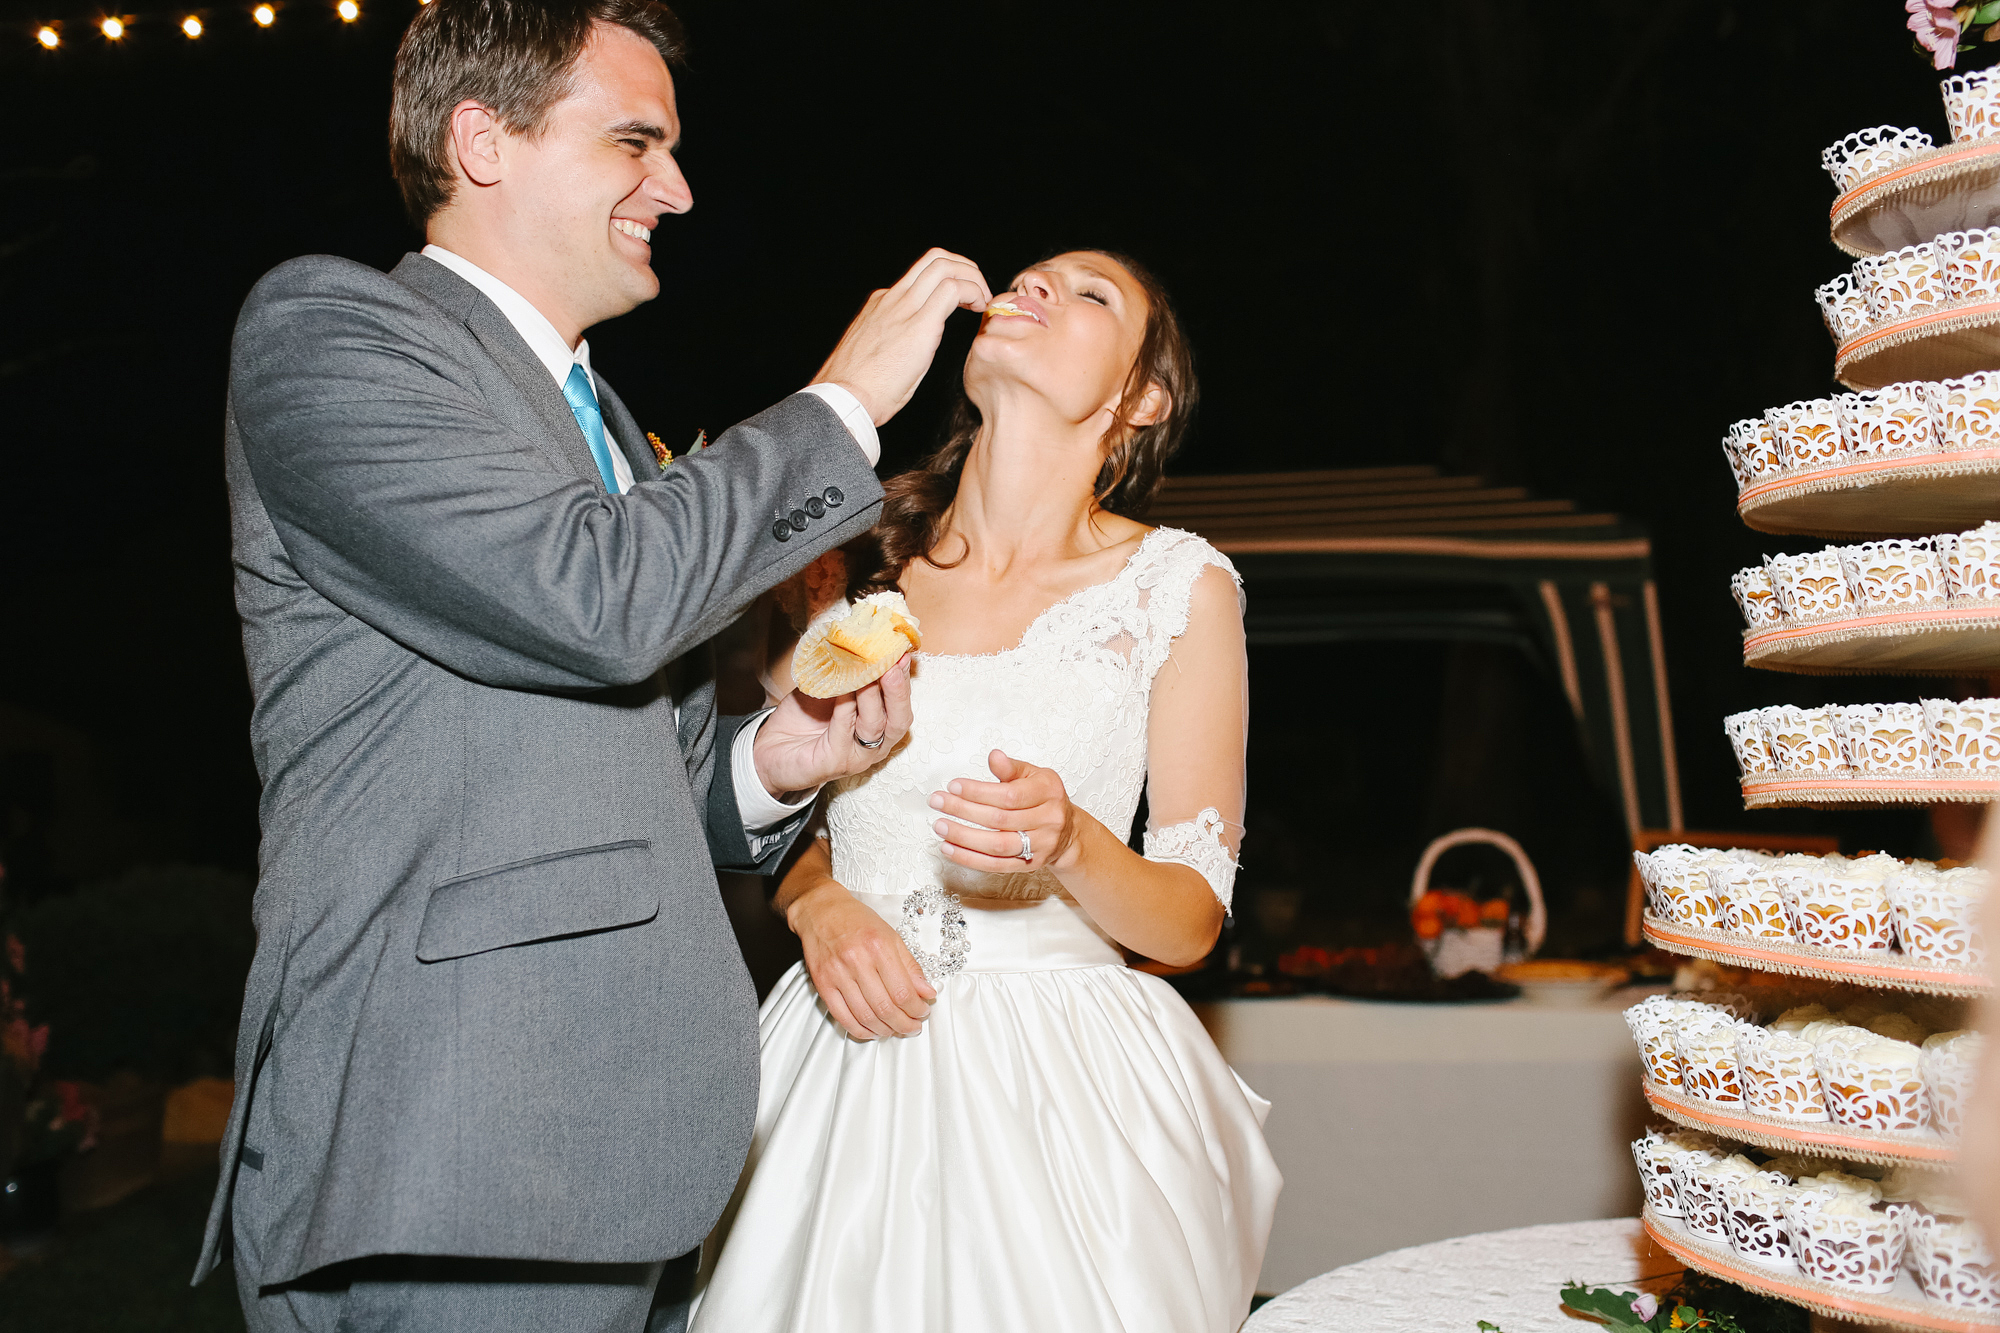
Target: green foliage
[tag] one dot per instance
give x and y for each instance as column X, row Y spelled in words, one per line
column 143, row 972
column 1616, row 1309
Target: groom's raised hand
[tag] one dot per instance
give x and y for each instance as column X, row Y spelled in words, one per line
column 886, row 350
column 808, row 742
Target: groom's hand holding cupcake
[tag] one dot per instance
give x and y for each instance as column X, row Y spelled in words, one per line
column 808, row 742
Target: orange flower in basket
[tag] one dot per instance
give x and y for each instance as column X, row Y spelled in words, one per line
column 1427, row 925
column 1466, row 913
column 1494, row 911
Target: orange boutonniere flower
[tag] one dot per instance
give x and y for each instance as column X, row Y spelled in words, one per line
column 666, row 455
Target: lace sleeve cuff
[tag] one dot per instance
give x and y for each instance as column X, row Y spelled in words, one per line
column 1198, row 845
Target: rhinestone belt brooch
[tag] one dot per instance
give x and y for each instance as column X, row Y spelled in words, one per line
column 933, row 903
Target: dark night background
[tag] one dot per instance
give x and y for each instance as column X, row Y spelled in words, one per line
column 1557, row 245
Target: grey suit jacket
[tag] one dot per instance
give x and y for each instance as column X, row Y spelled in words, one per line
column 496, row 1008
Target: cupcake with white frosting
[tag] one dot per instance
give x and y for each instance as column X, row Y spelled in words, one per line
column 1793, row 1020
column 1657, row 1155
column 1842, row 906
column 1752, row 902
column 1842, row 1232
column 1950, row 1061
column 1874, row 1082
column 1704, row 1206
column 1937, row 914
column 1755, row 1216
column 1948, row 1253
column 1684, row 894
column 1706, row 1043
column 1652, row 1022
column 1778, row 1075
column 1897, row 1026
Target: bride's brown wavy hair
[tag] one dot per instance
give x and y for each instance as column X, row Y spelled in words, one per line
column 914, row 503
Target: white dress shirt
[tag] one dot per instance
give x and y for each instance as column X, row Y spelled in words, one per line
column 760, row 810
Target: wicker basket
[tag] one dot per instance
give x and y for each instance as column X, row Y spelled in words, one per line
column 1458, row 950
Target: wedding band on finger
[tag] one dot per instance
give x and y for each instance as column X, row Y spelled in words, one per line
column 1027, row 848
column 875, row 744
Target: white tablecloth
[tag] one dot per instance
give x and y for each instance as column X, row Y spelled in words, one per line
column 1397, row 1124
column 1509, row 1278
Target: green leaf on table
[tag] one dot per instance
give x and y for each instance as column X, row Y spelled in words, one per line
column 1485, row 1327
column 1613, row 1307
column 1600, row 1301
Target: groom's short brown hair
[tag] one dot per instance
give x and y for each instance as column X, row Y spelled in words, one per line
column 514, row 57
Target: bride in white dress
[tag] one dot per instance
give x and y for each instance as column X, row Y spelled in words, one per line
column 1033, row 1137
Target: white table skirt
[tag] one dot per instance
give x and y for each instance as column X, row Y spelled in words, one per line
column 1398, row 1124
column 1509, row 1278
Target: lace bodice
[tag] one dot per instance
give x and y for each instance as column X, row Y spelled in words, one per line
column 1073, row 695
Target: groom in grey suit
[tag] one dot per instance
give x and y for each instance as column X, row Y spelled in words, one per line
column 498, row 1058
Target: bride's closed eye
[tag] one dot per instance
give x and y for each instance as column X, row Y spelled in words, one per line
column 1096, row 296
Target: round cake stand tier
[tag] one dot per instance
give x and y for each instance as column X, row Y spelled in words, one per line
column 1902, row 1306
column 1935, row 641
column 1953, row 188
column 1824, row 1139
column 1828, row 791
column 1889, row 971
column 1904, row 495
column 1941, row 344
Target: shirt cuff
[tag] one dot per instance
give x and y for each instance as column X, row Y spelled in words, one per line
column 853, row 416
column 760, row 809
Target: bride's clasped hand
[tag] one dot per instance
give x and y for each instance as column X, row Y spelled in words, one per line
column 1022, row 819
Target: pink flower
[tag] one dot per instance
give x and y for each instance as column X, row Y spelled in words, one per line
column 1936, row 28
column 1646, row 1306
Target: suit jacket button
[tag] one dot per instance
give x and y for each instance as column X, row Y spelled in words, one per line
column 833, row 497
column 798, row 517
column 815, row 506
column 782, row 530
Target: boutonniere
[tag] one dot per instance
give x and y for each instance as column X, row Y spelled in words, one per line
column 666, row 455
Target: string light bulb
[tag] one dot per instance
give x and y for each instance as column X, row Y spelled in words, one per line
column 112, row 29
column 49, row 38
column 265, row 15
column 348, row 11
column 191, row 26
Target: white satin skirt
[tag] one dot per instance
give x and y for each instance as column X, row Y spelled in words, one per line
column 1061, row 1148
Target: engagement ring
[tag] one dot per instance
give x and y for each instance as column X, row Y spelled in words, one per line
column 1027, row 848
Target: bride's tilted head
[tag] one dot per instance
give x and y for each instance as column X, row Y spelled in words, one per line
column 1081, row 360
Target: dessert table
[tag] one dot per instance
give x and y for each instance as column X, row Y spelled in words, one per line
column 1397, row 1124
column 1509, row 1278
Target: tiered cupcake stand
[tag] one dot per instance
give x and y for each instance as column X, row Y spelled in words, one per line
column 1904, row 1306
column 1950, row 188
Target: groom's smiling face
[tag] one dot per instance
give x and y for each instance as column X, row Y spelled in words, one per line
column 578, row 202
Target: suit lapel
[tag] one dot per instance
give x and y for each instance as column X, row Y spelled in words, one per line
column 626, row 433
column 564, row 441
column 560, row 439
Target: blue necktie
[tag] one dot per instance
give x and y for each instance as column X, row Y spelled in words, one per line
column 583, row 404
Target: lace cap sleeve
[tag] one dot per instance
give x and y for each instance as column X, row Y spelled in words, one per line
column 1168, row 585
column 1198, row 844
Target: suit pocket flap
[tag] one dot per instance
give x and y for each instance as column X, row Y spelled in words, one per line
column 545, row 897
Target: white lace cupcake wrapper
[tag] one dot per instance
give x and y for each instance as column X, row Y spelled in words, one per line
column 1198, row 845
